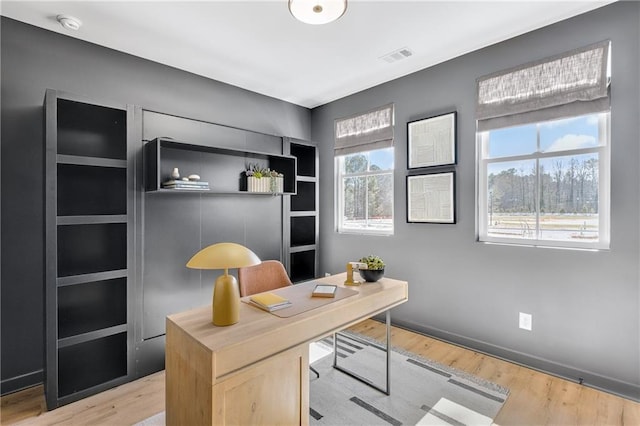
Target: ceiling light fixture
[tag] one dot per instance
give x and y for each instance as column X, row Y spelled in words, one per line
column 69, row 22
column 317, row 12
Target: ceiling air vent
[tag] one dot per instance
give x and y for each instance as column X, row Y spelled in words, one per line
column 397, row 55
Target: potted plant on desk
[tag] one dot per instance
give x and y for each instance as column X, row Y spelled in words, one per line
column 375, row 268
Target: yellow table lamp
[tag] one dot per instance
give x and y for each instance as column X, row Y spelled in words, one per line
column 226, row 295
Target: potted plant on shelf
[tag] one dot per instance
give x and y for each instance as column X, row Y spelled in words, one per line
column 260, row 179
column 375, row 268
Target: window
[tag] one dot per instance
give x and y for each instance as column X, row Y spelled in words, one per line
column 364, row 172
column 365, row 192
column 546, row 183
column 543, row 135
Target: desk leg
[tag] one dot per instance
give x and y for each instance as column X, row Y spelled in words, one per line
column 387, row 389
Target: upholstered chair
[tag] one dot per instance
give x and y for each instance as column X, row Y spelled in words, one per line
column 268, row 275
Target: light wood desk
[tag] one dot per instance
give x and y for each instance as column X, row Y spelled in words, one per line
column 256, row 371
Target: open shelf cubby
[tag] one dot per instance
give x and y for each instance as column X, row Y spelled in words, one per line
column 303, row 230
column 303, row 265
column 91, row 130
column 305, row 198
column 91, row 363
column 89, row 190
column 223, row 168
column 85, row 249
column 306, row 155
column 91, row 306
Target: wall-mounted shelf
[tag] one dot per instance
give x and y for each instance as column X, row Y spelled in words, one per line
column 223, row 168
column 88, row 242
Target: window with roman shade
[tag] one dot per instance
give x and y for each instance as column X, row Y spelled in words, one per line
column 365, row 131
column 543, row 135
column 571, row 84
column 364, row 172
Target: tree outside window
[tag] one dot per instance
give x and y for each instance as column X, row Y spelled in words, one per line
column 365, row 195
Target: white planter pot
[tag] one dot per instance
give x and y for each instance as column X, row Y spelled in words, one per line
column 265, row 184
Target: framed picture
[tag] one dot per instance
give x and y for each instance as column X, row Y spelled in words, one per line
column 432, row 141
column 431, row 198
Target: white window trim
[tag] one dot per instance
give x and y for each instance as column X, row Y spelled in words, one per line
column 604, row 196
column 339, row 191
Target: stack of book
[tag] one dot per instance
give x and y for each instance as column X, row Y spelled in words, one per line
column 269, row 301
column 194, row 185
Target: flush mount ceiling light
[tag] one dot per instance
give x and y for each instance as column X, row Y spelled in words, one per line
column 317, row 12
column 69, row 22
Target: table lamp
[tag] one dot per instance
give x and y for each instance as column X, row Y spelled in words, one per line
column 226, row 295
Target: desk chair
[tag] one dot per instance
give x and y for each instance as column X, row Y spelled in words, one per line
column 268, row 275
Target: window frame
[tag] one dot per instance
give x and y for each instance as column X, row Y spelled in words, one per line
column 604, row 193
column 339, row 191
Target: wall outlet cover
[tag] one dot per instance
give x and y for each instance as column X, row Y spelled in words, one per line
column 525, row 321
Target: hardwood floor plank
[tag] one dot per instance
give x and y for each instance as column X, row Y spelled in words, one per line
column 535, row 398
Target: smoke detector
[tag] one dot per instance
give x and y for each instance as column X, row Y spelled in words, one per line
column 69, row 22
column 397, row 55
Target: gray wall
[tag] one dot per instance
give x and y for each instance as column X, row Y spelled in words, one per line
column 34, row 60
column 585, row 305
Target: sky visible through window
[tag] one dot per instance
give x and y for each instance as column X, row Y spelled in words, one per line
column 568, row 134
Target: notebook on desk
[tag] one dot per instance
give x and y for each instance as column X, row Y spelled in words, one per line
column 300, row 296
column 269, row 301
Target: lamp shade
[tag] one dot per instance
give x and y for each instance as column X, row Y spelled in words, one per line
column 223, row 256
column 317, row 12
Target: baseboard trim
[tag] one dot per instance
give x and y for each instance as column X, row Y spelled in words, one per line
column 15, row 384
column 593, row 380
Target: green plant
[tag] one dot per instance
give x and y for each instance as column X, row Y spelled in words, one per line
column 257, row 171
column 373, row 262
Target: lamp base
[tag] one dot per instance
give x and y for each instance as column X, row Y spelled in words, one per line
column 226, row 301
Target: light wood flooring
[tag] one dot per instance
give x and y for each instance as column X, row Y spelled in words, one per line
column 535, row 398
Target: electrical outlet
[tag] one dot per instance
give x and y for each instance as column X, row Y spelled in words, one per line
column 526, row 321
column 326, row 274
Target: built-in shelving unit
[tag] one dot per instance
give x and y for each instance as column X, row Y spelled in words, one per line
column 223, row 168
column 88, row 239
column 301, row 218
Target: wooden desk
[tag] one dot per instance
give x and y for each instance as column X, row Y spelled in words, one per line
column 256, row 371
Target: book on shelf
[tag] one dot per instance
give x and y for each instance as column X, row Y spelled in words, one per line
column 177, row 184
column 185, row 183
column 269, row 301
column 324, row 290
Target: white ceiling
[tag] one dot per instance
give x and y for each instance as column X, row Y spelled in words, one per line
column 259, row 46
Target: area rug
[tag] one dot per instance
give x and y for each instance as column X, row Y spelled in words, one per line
column 423, row 392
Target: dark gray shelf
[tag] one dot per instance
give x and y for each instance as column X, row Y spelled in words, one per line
column 88, row 237
column 85, row 278
column 211, row 191
column 91, row 219
column 223, row 168
column 301, row 215
column 91, row 161
column 92, row 335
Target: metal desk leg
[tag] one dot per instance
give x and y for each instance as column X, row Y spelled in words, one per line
column 387, row 389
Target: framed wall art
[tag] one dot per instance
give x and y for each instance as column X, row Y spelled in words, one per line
column 431, row 198
column 432, row 141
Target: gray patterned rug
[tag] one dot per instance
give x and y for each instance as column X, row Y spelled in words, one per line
column 422, row 391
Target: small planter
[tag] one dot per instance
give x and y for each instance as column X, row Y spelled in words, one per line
column 265, row 184
column 371, row 275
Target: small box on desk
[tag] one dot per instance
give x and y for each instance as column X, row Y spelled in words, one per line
column 324, row 290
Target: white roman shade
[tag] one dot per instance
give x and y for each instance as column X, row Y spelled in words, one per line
column 364, row 131
column 570, row 84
